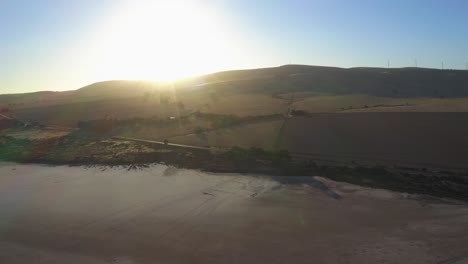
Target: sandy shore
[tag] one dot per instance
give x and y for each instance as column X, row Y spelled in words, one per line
column 60, row 214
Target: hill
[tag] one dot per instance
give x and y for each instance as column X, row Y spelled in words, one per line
column 265, row 91
column 162, row 111
column 392, row 82
column 402, row 129
column 395, row 82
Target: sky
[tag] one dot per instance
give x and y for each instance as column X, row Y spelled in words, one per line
column 61, row 45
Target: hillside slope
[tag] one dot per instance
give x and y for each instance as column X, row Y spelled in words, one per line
column 253, row 92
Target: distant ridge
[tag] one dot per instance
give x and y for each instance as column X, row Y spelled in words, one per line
column 388, row 82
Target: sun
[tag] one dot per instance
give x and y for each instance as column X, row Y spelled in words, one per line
column 163, row 40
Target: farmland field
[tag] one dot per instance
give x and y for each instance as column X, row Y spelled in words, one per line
column 417, row 138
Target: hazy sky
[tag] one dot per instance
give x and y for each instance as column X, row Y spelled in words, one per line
column 61, row 45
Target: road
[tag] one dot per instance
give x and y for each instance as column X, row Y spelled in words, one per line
column 162, row 143
column 6, row 117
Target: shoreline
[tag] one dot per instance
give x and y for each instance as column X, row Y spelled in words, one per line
column 100, row 151
column 83, row 148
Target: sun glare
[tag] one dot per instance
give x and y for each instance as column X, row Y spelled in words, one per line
column 163, row 40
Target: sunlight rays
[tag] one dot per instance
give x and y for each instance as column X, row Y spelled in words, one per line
column 163, row 40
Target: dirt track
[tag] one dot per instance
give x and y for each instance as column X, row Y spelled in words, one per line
column 165, row 215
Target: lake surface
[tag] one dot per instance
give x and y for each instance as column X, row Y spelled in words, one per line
column 160, row 214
